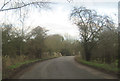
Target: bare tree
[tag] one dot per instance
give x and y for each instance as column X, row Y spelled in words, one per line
column 90, row 25
column 17, row 4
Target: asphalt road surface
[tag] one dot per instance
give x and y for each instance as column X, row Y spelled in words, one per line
column 62, row 68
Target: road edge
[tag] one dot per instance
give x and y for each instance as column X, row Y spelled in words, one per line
column 99, row 69
column 16, row 71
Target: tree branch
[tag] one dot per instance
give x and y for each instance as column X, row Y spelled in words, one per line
column 5, row 4
column 32, row 3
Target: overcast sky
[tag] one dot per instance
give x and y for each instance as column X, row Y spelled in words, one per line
column 56, row 19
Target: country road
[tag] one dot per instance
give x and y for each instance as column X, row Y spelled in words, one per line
column 62, row 68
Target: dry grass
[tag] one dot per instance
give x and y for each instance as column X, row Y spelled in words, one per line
column 8, row 61
column 9, row 64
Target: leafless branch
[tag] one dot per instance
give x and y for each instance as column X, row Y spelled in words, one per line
column 5, row 4
column 24, row 5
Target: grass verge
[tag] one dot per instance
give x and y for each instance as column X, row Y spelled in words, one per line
column 102, row 67
column 20, row 64
column 13, row 69
column 27, row 62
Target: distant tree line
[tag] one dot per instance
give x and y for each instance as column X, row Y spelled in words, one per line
column 33, row 43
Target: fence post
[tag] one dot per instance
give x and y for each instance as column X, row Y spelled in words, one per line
column 119, row 39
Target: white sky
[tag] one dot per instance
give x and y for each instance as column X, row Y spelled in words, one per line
column 56, row 20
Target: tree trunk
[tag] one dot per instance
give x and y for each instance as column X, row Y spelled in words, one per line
column 87, row 53
column 107, row 59
column 40, row 53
